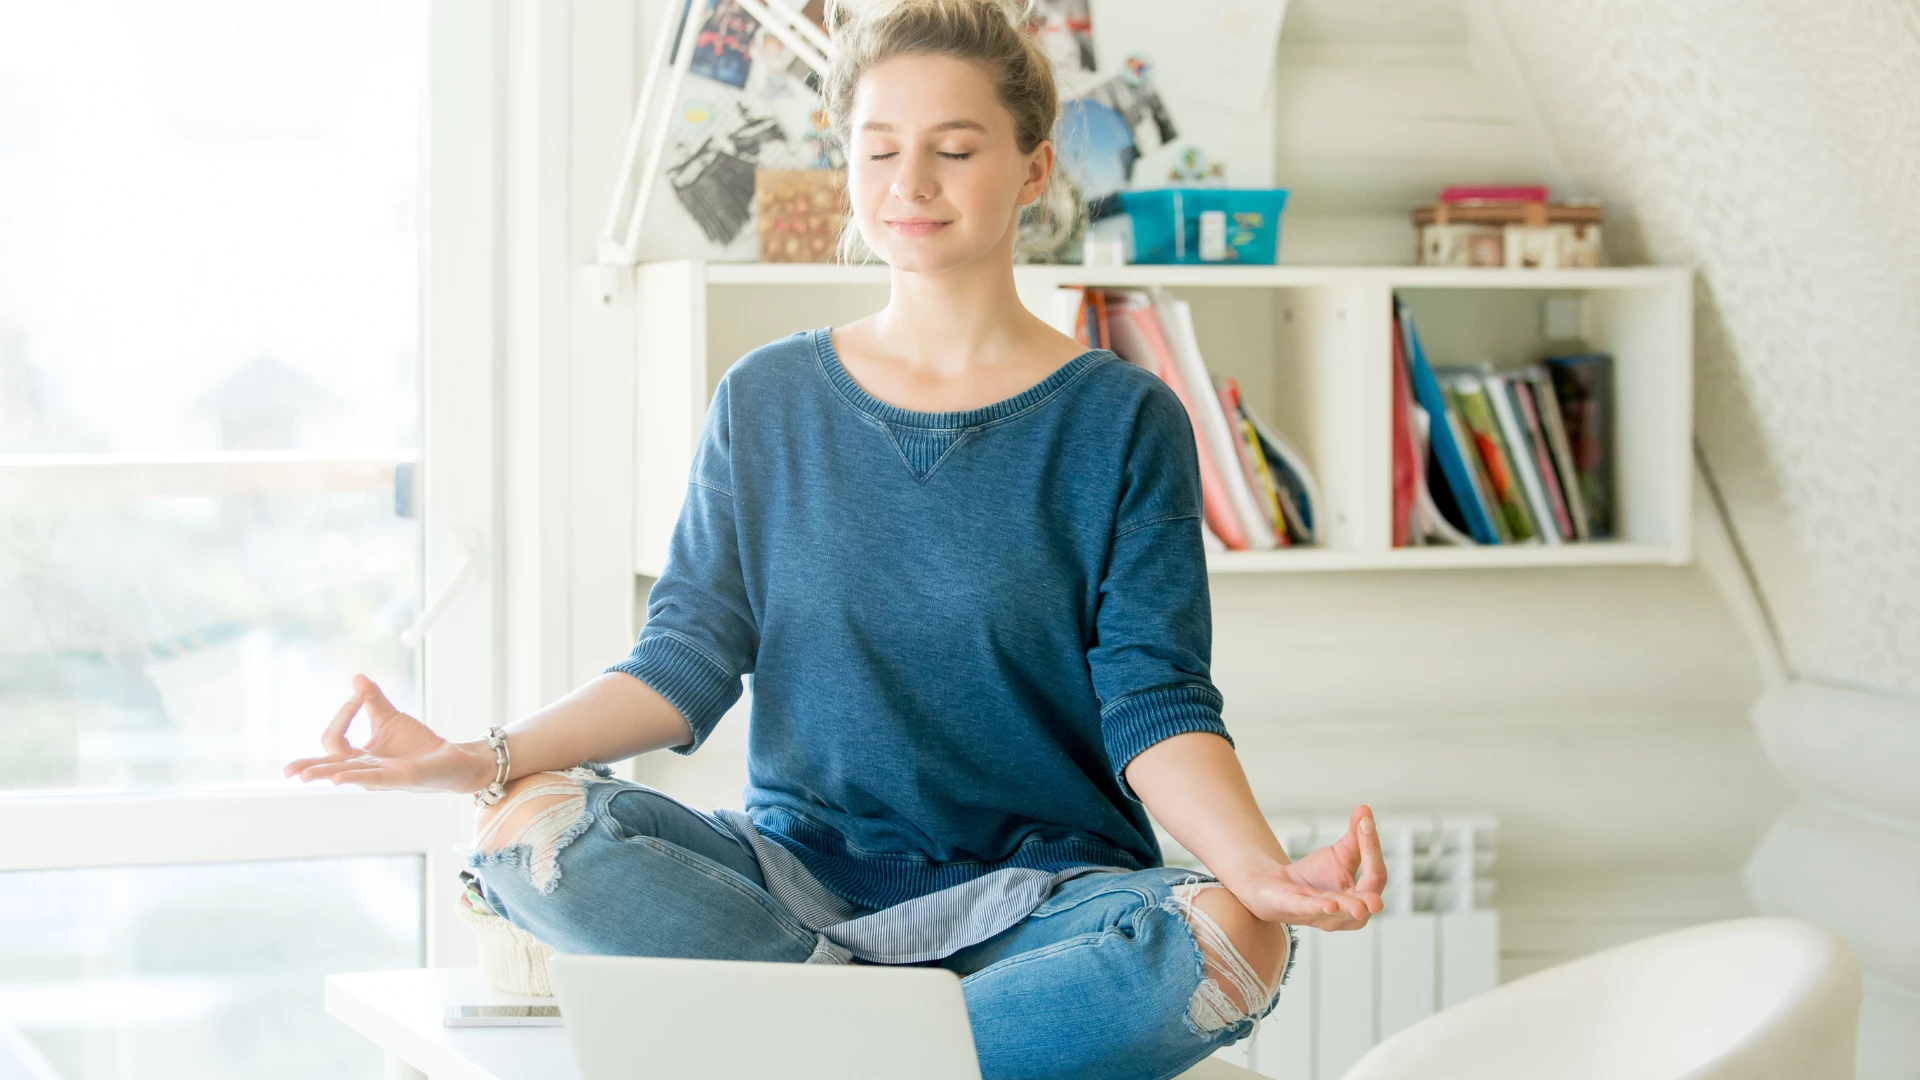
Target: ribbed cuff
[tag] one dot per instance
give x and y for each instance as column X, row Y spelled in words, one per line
column 702, row 690
column 1136, row 722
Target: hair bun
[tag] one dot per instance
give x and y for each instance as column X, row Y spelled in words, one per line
column 1019, row 13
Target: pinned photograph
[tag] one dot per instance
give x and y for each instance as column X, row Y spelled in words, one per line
column 1096, row 147
column 724, row 50
column 711, row 169
column 1133, row 95
column 1099, row 137
column 1065, row 31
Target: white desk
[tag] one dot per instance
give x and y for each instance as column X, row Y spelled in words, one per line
column 401, row 1012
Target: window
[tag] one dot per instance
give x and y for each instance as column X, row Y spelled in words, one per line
column 222, row 339
column 172, row 973
column 209, row 339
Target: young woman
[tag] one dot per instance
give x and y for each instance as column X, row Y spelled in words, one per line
column 961, row 557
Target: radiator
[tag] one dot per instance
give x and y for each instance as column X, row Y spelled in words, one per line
column 1436, row 943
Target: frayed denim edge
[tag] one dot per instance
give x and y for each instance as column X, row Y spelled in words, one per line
column 521, row 854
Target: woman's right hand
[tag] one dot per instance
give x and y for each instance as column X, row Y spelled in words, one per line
column 400, row 753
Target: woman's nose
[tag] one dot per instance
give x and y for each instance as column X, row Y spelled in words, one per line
column 915, row 181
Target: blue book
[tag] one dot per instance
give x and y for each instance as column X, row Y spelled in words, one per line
column 1453, row 467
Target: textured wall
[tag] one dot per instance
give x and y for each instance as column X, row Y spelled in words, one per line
column 1774, row 145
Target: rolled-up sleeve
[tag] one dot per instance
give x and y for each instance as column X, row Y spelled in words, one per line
column 1154, row 627
column 700, row 637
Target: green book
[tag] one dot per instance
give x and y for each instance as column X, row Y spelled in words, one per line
column 1503, row 482
column 1476, row 472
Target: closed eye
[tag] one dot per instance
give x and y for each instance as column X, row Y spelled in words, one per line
column 957, row 157
column 882, row 157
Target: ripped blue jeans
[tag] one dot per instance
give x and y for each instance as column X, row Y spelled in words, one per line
column 1104, row 980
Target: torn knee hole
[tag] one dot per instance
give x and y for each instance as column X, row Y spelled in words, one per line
column 539, row 814
column 1231, row 988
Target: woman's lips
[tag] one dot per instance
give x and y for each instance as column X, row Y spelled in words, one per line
column 917, row 226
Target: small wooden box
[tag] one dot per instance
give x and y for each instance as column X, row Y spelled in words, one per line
column 801, row 213
column 1530, row 235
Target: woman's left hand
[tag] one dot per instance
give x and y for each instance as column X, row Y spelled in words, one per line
column 1336, row 887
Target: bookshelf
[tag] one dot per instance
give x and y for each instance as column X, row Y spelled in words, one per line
column 1311, row 348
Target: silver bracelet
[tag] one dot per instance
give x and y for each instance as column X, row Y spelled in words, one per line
column 503, row 764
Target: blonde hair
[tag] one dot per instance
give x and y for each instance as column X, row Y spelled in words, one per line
column 987, row 32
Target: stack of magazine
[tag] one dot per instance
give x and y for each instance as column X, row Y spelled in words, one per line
column 1257, row 490
column 1486, row 457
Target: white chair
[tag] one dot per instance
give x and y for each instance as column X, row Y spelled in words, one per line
column 1215, row 1069
column 1743, row 999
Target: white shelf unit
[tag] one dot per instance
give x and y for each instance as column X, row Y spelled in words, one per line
column 1311, row 348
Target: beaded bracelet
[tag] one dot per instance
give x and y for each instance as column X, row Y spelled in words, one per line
column 503, row 764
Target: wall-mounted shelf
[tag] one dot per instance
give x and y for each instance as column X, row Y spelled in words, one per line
column 1623, row 277
column 1300, row 560
column 1311, row 348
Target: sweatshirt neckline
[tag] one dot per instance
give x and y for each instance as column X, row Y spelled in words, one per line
column 951, row 420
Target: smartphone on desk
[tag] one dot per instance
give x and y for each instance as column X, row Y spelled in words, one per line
column 502, row 1016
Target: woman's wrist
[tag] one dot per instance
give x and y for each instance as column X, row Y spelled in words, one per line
column 481, row 768
column 1245, row 877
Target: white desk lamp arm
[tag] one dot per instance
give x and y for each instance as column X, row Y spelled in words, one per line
column 620, row 235
column 470, row 564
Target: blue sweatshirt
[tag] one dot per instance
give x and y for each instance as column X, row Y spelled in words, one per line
column 961, row 626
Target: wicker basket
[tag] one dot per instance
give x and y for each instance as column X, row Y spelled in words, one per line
column 512, row 959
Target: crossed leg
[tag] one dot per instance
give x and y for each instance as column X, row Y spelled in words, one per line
column 588, row 864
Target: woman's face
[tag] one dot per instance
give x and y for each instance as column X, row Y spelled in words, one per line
column 935, row 176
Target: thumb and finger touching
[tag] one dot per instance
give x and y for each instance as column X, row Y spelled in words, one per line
column 1373, row 864
column 334, row 737
column 378, row 707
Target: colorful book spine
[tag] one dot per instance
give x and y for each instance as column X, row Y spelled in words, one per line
column 1520, row 453
column 1247, row 446
column 1562, row 453
column 1584, row 386
column 1503, row 483
column 1525, row 388
column 1408, row 450
column 1482, row 489
column 1077, row 297
column 1449, row 453
column 1299, row 495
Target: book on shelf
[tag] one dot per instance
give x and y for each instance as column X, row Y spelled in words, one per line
column 1522, row 456
column 1522, row 390
column 1252, row 463
column 1409, row 453
column 1176, row 319
column 1280, row 469
column 1257, row 492
column 1299, row 496
column 1561, row 451
column 1450, row 447
column 1496, row 460
column 1090, row 326
column 1584, row 386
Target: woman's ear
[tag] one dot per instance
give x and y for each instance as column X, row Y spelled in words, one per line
column 1039, row 169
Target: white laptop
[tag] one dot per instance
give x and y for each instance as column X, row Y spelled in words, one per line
column 632, row 1017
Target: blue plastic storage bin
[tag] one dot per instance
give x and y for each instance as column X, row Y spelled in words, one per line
column 1205, row 224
